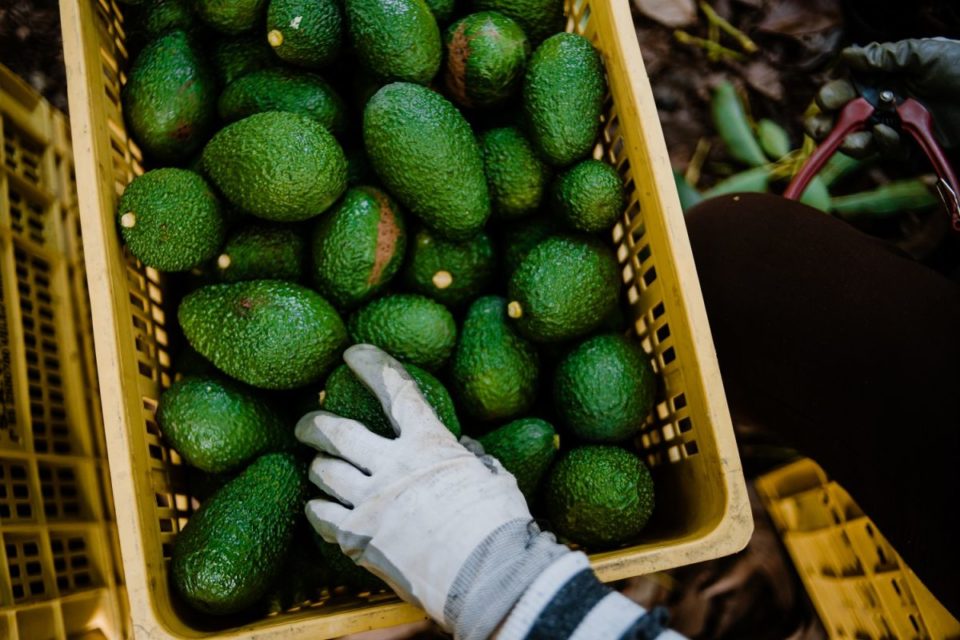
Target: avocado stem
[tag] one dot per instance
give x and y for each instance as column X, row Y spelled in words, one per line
column 224, row 261
column 128, row 220
column 514, row 310
column 442, row 279
column 275, row 38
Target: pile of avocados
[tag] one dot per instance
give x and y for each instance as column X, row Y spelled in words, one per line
column 413, row 174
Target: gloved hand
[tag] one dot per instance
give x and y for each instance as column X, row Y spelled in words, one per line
column 929, row 70
column 446, row 529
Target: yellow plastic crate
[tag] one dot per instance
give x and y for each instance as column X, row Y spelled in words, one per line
column 703, row 510
column 857, row 582
column 59, row 574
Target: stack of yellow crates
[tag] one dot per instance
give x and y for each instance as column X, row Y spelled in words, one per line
column 859, row 585
column 61, row 574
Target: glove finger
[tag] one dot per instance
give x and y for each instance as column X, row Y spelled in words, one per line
column 888, row 142
column 891, row 57
column 859, row 144
column 836, row 93
column 397, row 392
column 474, row 447
column 339, row 479
column 343, row 438
column 325, row 517
column 818, row 126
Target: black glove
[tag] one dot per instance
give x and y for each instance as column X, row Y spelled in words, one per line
column 929, row 70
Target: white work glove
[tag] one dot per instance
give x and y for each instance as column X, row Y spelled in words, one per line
column 449, row 531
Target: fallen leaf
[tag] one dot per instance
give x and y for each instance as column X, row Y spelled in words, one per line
column 764, row 78
column 797, row 18
column 672, row 13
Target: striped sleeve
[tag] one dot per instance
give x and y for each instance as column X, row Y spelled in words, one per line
column 567, row 601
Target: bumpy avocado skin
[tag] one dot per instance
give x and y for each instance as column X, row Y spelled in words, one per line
column 604, row 389
column 344, row 395
column 236, row 56
column 170, row 98
column 425, row 153
column 526, row 448
column 538, row 18
column 494, row 371
column 450, row 272
column 306, row 33
column 413, row 329
column 171, row 219
column 278, row 166
column 267, row 333
column 358, row 247
column 600, row 496
column 563, row 98
column 486, row 56
column 589, row 196
column 517, row 239
column 231, row 16
column 344, row 571
column 217, row 425
column 284, row 90
column 263, row 252
column 395, row 39
column 564, row 288
column 515, row 174
column 233, row 548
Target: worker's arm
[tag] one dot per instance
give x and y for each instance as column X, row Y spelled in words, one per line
column 449, row 530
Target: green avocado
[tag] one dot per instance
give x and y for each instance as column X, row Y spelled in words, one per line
column 494, row 370
column 151, row 19
column 170, row 98
column 231, row 16
column 450, row 272
column 284, row 90
column 486, row 55
column 538, row 18
column 263, row 252
column 344, row 571
column 526, row 448
column 589, row 196
column 233, row 548
column 267, row 333
column 516, row 176
column 563, row 289
column 303, row 577
column 216, row 425
column 442, row 9
column 427, row 157
column 604, row 389
column 306, row 33
column 236, row 56
column 563, row 98
column 599, row 496
column 170, row 219
column 516, row 239
column 277, row 166
column 358, row 247
column 413, row 329
column 395, row 39
column 344, row 395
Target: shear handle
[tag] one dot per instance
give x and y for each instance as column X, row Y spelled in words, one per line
column 916, row 120
column 852, row 118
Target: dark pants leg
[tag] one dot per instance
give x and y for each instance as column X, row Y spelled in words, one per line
column 851, row 353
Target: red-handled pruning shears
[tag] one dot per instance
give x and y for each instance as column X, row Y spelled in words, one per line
column 888, row 107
